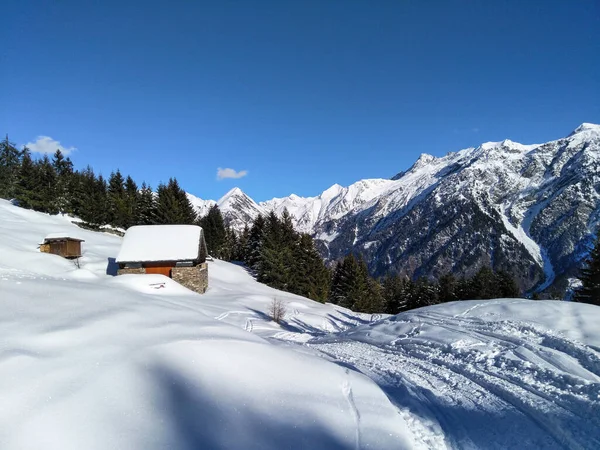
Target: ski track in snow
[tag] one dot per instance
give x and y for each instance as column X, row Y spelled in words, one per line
column 347, row 391
column 454, row 387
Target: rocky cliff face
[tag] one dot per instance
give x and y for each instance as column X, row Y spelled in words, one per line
column 527, row 209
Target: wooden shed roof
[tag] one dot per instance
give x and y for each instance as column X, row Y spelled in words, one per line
column 61, row 237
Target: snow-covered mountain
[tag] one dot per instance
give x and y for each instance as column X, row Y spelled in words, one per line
column 527, row 209
column 236, row 207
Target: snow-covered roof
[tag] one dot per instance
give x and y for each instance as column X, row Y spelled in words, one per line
column 147, row 243
column 54, row 236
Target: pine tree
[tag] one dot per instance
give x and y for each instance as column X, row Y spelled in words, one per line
column 26, row 191
column 132, row 199
column 146, row 208
column 214, row 230
column 253, row 249
column 239, row 253
column 173, row 206
column 506, row 285
column 448, row 288
column 100, row 204
column 117, row 206
column 350, row 283
column 483, row 284
column 63, row 167
column 276, row 259
column 230, row 245
column 10, row 161
column 92, row 207
column 422, row 293
column 589, row 292
column 394, row 294
column 46, row 179
column 309, row 277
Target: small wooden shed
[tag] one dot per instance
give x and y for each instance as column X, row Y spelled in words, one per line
column 62, row 245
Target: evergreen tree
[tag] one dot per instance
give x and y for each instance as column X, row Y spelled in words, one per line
column 230, row 245
column 63, row 167
column 483, row 284
column 173, row 206
column 394, row 294
column 100, row 202
column 117, row 206
column 26, row 191
column 46, row 179
column 309, row 277
column 93, row 205
column 421, row 293
column 132, row 200
column 146, row 208
column 350, row 284
column 589, row 292
column 448, row 288
column 372, row 300
column 239, row 253
column 276, row 259
column 253, row 248
column 506, row 285
column 10, row 162
column 215, row 233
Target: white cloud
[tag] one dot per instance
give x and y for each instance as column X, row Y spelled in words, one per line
column 45, row 144
column 230, row 173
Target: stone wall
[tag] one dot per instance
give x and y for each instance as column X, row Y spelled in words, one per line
column 138, row 271
column 194, row 278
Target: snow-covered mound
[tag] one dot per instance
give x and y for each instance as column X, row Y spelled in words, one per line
column 89, row 360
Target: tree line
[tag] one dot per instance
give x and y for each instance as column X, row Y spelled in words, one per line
column 353, row 288
column 52, row 185
column 589, row 290
column 271, row 248
column 273, row 251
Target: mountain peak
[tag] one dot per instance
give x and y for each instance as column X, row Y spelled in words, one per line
column 592, row 127
column 235, row 192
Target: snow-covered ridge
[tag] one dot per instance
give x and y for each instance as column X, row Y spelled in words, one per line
column 337, row 201
column 525, row 190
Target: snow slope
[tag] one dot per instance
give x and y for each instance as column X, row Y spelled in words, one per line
column 91, row 361
column 487, row 374
column 88, row 360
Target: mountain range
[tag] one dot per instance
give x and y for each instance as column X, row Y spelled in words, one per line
column 531, row 210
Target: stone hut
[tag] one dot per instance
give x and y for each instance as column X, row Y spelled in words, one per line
column 62, row 244
column 176, row 251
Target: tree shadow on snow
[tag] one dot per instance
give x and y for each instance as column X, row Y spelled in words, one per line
column 201, row 418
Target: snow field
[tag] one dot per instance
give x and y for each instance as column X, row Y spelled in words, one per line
column 92, row 361
column 88, row 360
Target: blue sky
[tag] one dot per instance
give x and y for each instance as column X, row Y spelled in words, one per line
column 299, row 95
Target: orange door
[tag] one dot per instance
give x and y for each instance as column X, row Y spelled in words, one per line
column 159, row 270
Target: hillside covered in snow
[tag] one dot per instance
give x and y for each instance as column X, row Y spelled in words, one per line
column 530, row 210
column 90, row 360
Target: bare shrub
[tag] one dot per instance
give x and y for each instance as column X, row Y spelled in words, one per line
column 277, row 310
